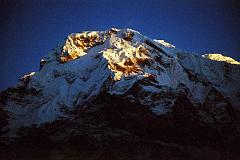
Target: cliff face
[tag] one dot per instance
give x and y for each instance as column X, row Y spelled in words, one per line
column 128, row 89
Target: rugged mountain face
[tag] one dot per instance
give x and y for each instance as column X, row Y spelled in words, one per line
column 117, row 93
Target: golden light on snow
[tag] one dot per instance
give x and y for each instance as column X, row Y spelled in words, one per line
column 126, row 62
column 123, row 58
column 76, row 44
column 220, row 57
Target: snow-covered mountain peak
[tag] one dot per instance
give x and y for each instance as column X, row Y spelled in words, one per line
column 102, row 94
column 164, row 43
column 119, row 62
column 220, row 57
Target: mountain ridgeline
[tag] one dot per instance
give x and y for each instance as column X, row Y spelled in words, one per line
column 117, row 94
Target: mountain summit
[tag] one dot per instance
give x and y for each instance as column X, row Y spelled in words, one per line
column 106, row 88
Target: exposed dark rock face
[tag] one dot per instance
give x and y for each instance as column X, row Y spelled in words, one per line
column 111, row 127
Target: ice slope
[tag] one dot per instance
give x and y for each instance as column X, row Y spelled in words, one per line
column 116, row 62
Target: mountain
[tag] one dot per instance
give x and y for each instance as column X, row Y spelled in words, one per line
column 118, row 94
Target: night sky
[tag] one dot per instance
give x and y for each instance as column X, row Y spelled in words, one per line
column 30, row 28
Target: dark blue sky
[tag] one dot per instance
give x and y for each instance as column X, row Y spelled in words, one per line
column 30, row 28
